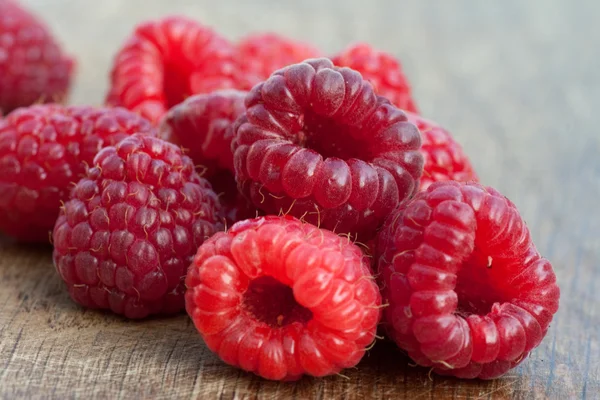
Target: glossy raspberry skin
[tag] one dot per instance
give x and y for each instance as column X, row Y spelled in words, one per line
column 167, row 60
column 468, row 292
column 131, row 228
column 33, row 67
column 283, row 299
column 262, row 54
column 317, row 143
column 203, row 124
column 44, row 149
column 382, row 70
column 444, row 157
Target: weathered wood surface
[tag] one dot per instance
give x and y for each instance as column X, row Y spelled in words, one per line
column 518, row 84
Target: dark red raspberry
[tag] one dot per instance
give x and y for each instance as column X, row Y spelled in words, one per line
column 33, row 68
column 165, row 61
column 468, row 292
column 382, row 70
column 444, row 157
column 282, row 298
column 129, row 232
column 317, row 143
column 203, row 124
column 43, row 150
column 262, row 54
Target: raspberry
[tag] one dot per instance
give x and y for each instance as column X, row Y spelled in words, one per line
column 33, row 68
column 282, row 298
column 204, row 124
column 45, row 148
column 444, row 157
column 382, row 70
column 262, row 54
column 167, row 60
column 468, row 292
column 317, row 143
column 130, row 230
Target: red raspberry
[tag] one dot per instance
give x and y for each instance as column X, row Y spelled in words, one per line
column 316, row 142
column 262, row 54
column 33, row 67
column 204, row 124
column 444, row 157
column 45, row 148
column 127, row 236
column 468, row 292
column 282, row 298
column 382, row 70
column 167, row 60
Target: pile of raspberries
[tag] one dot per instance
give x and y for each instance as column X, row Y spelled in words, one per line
column 291, row 203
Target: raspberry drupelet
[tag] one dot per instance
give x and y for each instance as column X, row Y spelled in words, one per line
column 33, row 67
column 260, row 55
column 167, row 60
column 129, row 232
column 382, row 70
column 468, row 293
column 281, row 298
column 444, row 157
column 203, row 124
column 44, row 149
column 317, row 143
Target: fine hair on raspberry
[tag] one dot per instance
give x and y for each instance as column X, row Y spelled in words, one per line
column 468, row 292
column 125, row 239
column 282, row 298
column 317, row 143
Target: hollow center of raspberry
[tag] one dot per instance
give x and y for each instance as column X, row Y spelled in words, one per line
column 331, row 139
column 176, row 83
column 273, row 303
column 477, row 291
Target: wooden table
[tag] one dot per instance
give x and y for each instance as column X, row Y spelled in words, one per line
column 518, row 84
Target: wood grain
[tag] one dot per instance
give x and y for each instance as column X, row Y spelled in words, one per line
column 516, row 82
